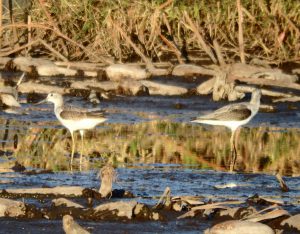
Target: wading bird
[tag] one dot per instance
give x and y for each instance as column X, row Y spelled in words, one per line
column 74, row 118
column 233, row 116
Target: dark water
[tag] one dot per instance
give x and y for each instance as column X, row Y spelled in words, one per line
column 148, row 181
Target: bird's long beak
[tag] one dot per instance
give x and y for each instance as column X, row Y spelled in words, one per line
column 40, row 102
column 194, row 120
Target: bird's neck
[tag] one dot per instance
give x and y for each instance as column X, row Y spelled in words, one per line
column 255, row 103
column 58, row 104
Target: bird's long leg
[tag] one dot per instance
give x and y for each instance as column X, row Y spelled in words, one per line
column 233, row 151
column 80, row 162
column 73, row 149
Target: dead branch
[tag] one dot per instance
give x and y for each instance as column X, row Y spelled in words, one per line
column 283, row 186
column 147, row 61
column 201, row 41
column 173, row 48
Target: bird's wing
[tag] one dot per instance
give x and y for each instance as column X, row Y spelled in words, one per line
column 71, row 112
column 237, row 111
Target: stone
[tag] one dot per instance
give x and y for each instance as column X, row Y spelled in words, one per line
column 11, row 208
column 65, row 202
column 70, row 226
column 292, row 222
column 121, row 209
column 239, row 227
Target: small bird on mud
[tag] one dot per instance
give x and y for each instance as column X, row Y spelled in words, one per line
column 72, row 227
column 75, row 119
column 9, row 96
column 233, row 116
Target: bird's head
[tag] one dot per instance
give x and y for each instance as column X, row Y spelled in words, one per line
column 55, row 98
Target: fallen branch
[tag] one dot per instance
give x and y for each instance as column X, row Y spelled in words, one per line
column 258, row 81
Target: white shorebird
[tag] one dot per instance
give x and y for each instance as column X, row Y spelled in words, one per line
column 74, row 118
column 233, row 116
column 9, row 96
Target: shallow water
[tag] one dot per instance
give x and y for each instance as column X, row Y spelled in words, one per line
column 148, row 180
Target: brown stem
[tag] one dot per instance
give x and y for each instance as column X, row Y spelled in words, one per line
column 201, row 41
column 241, row 37
column 172, row 47
column 131, row 43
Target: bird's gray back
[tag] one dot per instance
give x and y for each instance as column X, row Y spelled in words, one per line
column 233, row 112
column 75, row 113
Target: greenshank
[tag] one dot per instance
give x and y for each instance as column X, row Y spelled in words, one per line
column 75, row 119
column 233, row 116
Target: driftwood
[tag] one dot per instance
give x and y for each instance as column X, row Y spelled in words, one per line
column 224, row 89
column 212, row 206
column 117, row 72
column 270, row 215
column 255, row 72
column 93, row 84
column 156, row 88
column 107, row 175
column 43, row 67
column 59, row 190
column 72, row 227
column 164, row 200
column 206, row 87
column 33, row 87
column 190, row 70
column 283, row 186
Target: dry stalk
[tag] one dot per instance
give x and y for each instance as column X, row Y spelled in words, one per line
column 241, row 37
column 1, row 7
column 201, row 41
column 55, row 52
column 219, row 53
column 147, row 61
column 3, row 54
column 29, row 32
column 58, row 33
column 173, row 48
